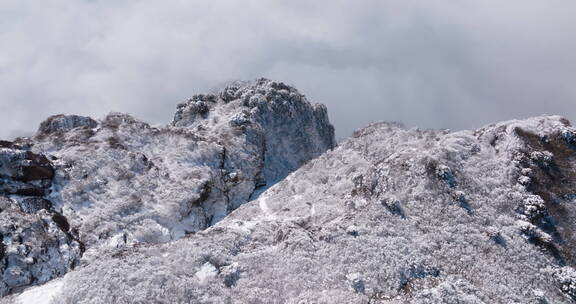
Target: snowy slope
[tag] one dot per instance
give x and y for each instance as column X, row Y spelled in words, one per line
column 120, row 182
column 390, row 216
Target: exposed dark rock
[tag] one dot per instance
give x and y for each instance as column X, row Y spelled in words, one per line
column 497, row 237
column 24, row 165
column 25, row 173
column 39, row 168
column 34, row 204
column 230, row 275
column 462, row 201
column 27, row 190
column 61, row 221
column 415, row 272
column 33, row 249
column 357, row 283
column 6, row 144
column 447, row 175
column 552, row 164
column 394, row 206
column 570, row 138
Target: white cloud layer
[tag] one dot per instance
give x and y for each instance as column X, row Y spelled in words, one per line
column 443, row 63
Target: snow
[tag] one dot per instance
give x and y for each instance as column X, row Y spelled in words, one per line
column 43, row 294
column 354, row 247
column 206, row 272
column 391, row 215
column 120, row 183
column 265, row 209
column 125, row 182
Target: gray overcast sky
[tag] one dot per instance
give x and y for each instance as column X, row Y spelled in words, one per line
column 443, row 63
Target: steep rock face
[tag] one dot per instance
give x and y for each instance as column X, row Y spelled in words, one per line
column 36, row 245
column 390, row 216
column 273, row 116
column 35, row 248
column 122, row 182
column 23, row 172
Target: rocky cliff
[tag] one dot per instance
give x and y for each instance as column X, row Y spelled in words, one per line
column 38, row 243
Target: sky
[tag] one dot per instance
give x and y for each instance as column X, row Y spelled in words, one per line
column 455, row 64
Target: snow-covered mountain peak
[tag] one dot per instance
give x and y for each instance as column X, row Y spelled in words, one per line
column 250, row 95
column 271, row 114
column 120, row 182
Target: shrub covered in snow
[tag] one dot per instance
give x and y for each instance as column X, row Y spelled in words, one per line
column 566, row 278
column 533, row 208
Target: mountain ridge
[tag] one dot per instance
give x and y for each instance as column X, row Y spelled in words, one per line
column 389, row 215
column 379, row 219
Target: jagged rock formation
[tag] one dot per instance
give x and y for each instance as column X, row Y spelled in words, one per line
column 36, row 247
column 120, row 182
column 273, row 118
column 37, row 243
column 23, row 172
column 390, row 216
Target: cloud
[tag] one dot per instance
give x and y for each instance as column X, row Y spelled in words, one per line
column 443, row 64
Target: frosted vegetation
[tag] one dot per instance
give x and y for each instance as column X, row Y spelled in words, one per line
column 126, row 182
column 391, row 215
column 120, row 182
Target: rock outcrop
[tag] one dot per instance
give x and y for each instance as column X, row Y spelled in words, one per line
column 23, row 172
column 35, row 248
column 62, row 123
column 36, row 243
column 390, row 216
column 272, row 115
